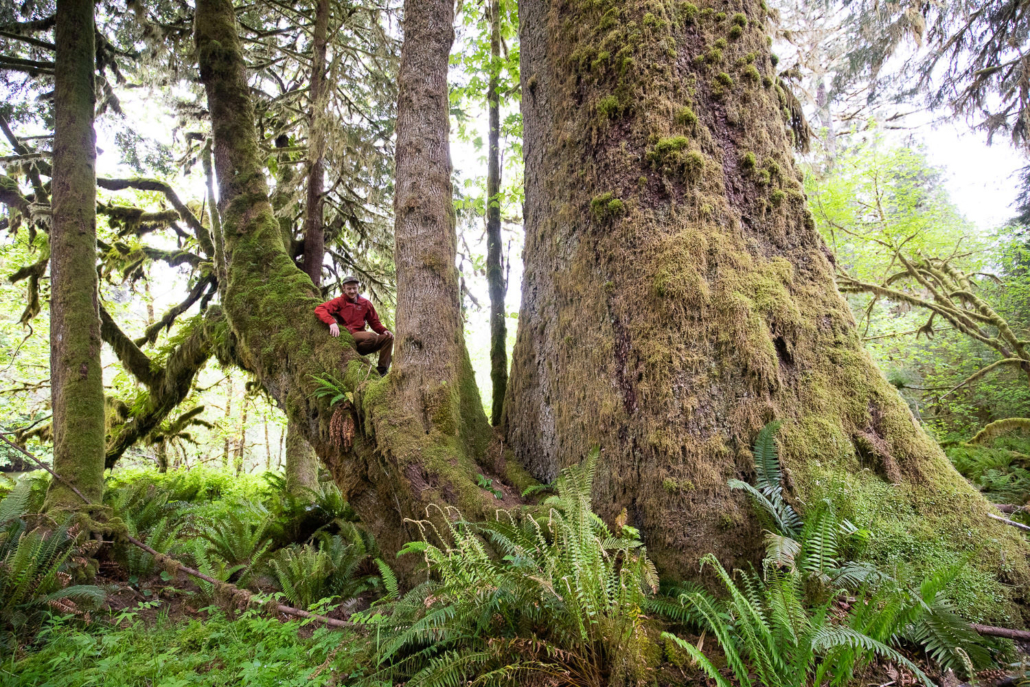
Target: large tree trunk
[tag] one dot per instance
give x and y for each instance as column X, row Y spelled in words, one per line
column 301, row 464
column 75, row 343
column 314, row 232
column 677, row 297
column 413, row 438
column 494, row 269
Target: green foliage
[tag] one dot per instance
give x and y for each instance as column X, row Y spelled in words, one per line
column 336, row 568
column 37, row 566
column 146, row 646
column 563, row 597
column 811, row 563
column 766, row 627
column 331, row 388
column 239, row 539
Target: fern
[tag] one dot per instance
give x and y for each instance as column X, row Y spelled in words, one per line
column 563, row 596
column 36, row 569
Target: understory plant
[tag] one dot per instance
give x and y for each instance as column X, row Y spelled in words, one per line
column 38, row 563
column 561, row 602
column 330, row 567
column 813, row 615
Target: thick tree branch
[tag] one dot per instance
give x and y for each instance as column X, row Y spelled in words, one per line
column 134, row 360
column 154, row 185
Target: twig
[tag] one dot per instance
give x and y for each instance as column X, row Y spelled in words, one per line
column 1011, row 523
column 282, row 608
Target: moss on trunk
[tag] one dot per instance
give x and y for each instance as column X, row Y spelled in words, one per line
column 76, row 373
column 677, row 296
column 418, row 431
column 301, row 465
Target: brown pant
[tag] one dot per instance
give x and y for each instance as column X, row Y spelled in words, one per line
column 369, row 342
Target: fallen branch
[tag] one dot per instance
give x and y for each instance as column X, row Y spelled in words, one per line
column 989, row 631
column 281, row 608
column 1011, row 523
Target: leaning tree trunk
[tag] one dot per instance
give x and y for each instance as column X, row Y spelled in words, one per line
column 677, row 296
column 75, row 371
column 410, row 439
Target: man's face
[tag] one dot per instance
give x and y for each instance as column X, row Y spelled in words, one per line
column 350, row 290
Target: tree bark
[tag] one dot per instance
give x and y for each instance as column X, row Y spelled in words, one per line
column 301, row 464
column 677, row 297
column 314, row 234
column 75, row 343
column 228, row 414
column 241, row 444
column 416, row 435
column 494, row 269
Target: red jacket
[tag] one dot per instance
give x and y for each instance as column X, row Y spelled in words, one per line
column 352, row 314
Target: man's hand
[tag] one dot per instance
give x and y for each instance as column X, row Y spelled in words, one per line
column 388, row 334
column 334, row 329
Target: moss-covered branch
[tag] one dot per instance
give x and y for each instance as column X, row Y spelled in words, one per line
column 140, row 184
column 134, row 360
column 167, row 387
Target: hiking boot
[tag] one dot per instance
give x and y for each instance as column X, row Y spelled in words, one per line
column 382, row 371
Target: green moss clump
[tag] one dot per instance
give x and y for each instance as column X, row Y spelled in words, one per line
column 751, row 74
column 721, row 44
column 653, row 22
column 748, row 161
column 707, row 12
column 688, row 12
column 764, row 178
column 608, row 107
column 686, row 117
column 606, row 206
column 609, row 20
column 713, row 56
column 736, row 32
column 777, row 197
column 774, row 59
column 721, row 82
column 671, row 154
column 601, row 60
column 740, row 19
column 642, row 182
column 720, row 16
column 767, row 82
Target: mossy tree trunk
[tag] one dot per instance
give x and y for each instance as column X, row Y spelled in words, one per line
column 75, row 343
column 494, row 269
column 677, row 296
column 301, row 464
column 412, row 438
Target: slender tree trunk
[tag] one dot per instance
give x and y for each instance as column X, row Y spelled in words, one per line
column 314, row 234
column 414, row 437
column 161, row 453
column 228, row 414
column 494, row 270
column 677, row 297
column 75, row 343
column 301, row 464
column 216, row 220
column 268, row 448
column 241, row 445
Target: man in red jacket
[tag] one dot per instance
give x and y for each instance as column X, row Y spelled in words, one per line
column 354, row 311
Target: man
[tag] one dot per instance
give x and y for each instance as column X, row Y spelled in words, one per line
column 354, row 311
